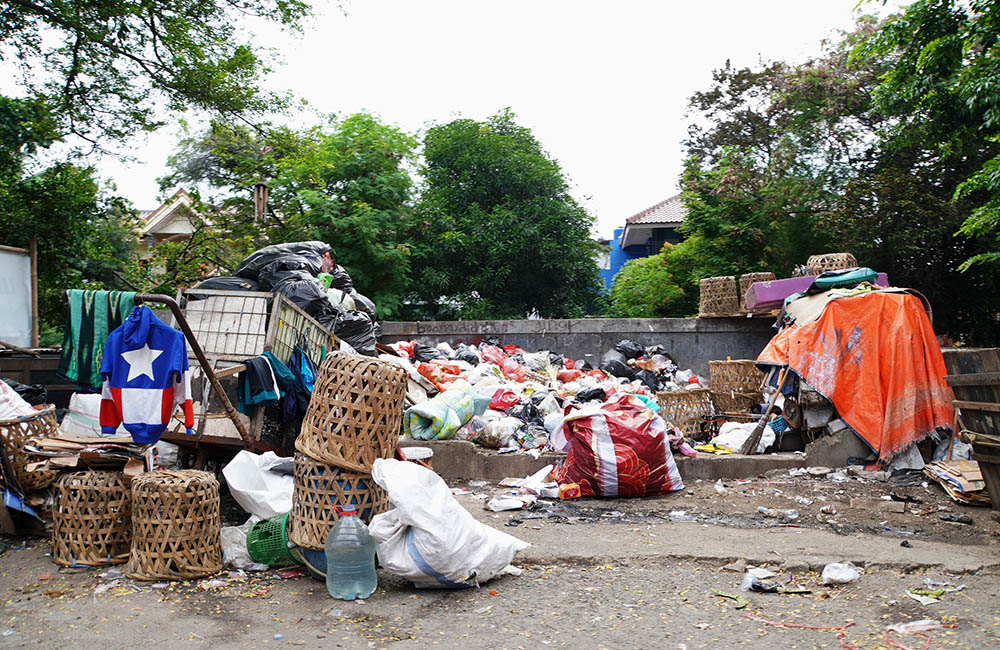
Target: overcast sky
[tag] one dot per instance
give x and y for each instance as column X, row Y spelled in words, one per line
column 603, row 85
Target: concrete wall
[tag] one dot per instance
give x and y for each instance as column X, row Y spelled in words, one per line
column 692, row 342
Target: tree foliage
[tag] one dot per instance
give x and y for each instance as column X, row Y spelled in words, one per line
column 658, row 286
column 345, row 183
column 497, row 231
column 103, row 68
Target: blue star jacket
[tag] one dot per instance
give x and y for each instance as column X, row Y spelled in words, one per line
column 145, row 377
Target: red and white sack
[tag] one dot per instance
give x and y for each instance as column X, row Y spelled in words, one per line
column 617, row 449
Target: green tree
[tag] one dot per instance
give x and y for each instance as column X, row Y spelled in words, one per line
column 102, row 67
column 497, row 233
column 345, row 183
column 658, row 286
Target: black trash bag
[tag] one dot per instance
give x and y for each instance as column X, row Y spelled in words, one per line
column 222, row 283
column 537, row 398
column 629, row 348
column 657, row 349
column 423, row 352
column 556, row 360
column 377, row 330
column 648, row 378
column 33, row 394
column 617, row 369
column 252, row 265
column 464, row 353
column 341, row 280
column 613, row 355
column 272, row 272
column 362, row 303
column 355, row 328
column 583, row 364
column 307, row 294
column 591, row 394
column 493, row 340
column 527, row 412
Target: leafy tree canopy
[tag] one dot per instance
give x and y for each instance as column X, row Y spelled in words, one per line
column 102, row 68
column 498, row 233
column 345, row 183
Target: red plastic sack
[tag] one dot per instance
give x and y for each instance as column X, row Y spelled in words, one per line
column 406, row 347
column 513, row 370
column 617, row 449
column 437, row 375
column 503, row 400
column 449, row 367
column 569, row 364
column 566, row 376
column 493, row 354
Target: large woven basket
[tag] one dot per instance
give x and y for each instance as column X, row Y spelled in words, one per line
column 748, row 279
column 718, row 297
column 318, row 490
column 91, row 519
column 735, row 385
column 15, row 433
column 175, row 526
column 817, row 264
column 355, row 412
column 684, row 408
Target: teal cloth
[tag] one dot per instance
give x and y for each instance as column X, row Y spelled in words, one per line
column 90, row 317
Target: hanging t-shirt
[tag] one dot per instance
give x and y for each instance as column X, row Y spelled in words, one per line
column 146, row 376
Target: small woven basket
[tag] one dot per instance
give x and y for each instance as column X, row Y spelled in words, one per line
column 15, row 433
column 718, row 297
column 318, row 490
column 684, row 408
column 817, row 264
column 355, row 412
column 91, row 519
column 175, row 526
column 735, row 385
column 748, row 279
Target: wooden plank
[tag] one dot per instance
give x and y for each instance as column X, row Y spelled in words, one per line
column 976, row 379
column 975, row 361
column 976, row 406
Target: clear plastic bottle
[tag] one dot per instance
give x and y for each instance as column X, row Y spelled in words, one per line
column 350, row 558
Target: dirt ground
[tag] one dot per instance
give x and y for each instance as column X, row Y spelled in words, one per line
column 615, row 573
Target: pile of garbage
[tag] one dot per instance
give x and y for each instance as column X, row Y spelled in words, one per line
column 296, row 270
column 503, row 397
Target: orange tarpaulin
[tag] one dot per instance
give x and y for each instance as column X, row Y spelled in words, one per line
column 874, row 356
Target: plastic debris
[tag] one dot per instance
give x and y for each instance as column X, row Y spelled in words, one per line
column 741, row 602
column 839, row 573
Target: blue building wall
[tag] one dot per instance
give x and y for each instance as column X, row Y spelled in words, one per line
column 618, row 257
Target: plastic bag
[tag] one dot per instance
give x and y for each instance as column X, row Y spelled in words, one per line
column 617, row 369
column 222, row 283
column 591, row 394
column 33, row 394
column 498, row 433
column 513, row 370
column 258, row 491
column 629, row 349
column 425, row 352
column 252, row 265
column 340, row 299
column 234, row 547
column 341, row 280
column 362, row 303
column 632, row 456
column 493, row 354
column 649, row 379
column 467, row 354
column 303, row 290
column 503, row 399
column 471, row 429
column 839, row 573
column 356, row 328
column 428, row 537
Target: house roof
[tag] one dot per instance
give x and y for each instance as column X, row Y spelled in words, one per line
column 667, row 212
column 161, row 214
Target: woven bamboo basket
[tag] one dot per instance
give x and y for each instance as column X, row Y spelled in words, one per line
column 746, row 280
column 355, row 412
column 15, row 433
column 718, row 297
column 817, row 264
column 735, row 385
column 684, row 408
column 175, row 526
column 318, row 490
column 91, row 519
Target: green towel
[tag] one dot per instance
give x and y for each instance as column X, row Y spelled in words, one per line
column 91, row 316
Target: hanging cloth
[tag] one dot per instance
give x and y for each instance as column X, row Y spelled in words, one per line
column 90, row 317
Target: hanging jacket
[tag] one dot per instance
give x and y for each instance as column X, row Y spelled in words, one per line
column 256, row 386
column 304, row 376
column 146, row 376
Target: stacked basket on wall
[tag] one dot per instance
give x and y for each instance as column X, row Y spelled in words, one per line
column 353, row 419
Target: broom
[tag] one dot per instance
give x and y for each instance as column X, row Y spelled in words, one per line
column 750, row 446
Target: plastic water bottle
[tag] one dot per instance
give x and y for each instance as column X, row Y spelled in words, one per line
column 350, row 558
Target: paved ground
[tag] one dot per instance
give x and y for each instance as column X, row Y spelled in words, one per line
column 604, row 574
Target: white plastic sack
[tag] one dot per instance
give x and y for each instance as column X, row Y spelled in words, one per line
column 734, row 434
column 12, row 405
column 83, row 417
column 428, row 537
column 258, row 491
column 839, row 573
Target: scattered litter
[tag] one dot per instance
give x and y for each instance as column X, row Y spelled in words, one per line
column 719, row 487
column 510, row 570
column 956, row 518
column 278, row 637
column 804, row 501
column 753, row 583
column 839, row 573
column 741, row 602
column 8, row 631
column 813, row 471
column 212, row 584
column 915, row 627
column 478, row 484
column 760, row 573
column 499, row 504
column 923, row 600
column 839, row 476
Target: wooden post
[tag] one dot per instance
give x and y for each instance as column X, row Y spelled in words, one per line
column 33, row 251
column 259, row 201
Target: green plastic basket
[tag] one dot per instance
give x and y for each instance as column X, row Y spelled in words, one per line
column 267, row 542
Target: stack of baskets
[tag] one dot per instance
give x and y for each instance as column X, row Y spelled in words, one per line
column 684, row 409
column 735, row 385
column 718, row 297
column 353, row 419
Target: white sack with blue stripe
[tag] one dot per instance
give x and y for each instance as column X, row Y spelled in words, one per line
column 428, row 537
